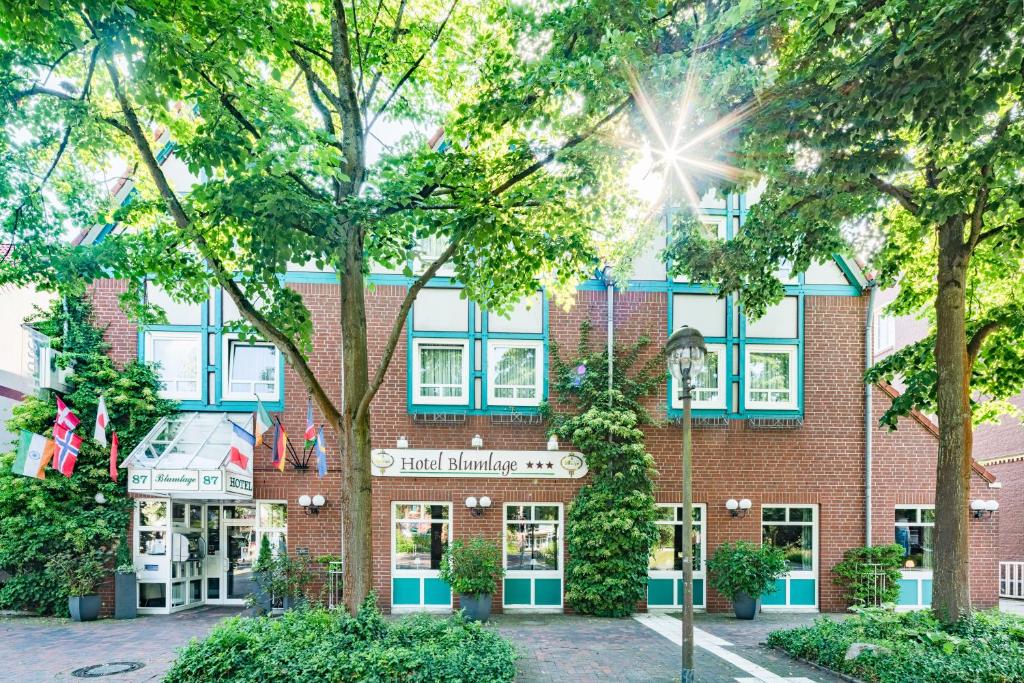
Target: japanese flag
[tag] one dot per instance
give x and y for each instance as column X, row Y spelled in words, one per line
column 100, row 433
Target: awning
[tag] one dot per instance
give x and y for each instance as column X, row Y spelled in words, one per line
column 186, row 456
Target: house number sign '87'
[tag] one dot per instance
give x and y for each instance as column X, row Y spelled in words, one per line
column 189, row 480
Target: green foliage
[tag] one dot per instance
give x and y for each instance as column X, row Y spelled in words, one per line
column 41, row 519
column 744, row 567
column 123, row 562
column 473, row 567
column 864, row 571
column 987, row 647
column 313, row 645
column 79, row 572
column 289, row 577
column 610, row 524
column 265, row 558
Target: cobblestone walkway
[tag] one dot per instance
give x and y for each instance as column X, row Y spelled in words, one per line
column 553, row 648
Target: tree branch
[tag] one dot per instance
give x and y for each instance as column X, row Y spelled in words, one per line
column 981, row 199
column 395, row 29
column 415, row 65
column 902, row 195
column 396, row 328
column 224, row 279
column 978, row 338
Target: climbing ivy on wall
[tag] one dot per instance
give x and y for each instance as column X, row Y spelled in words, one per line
column 610, row 526
column 41, row 519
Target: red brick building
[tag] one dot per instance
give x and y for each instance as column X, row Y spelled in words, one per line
column 780, row 415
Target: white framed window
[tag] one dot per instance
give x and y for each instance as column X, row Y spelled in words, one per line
column 915, row 531
column 885, row 332
column 250, row 370
column 794, row 529
column 708, row 384
column 440, row 371
column 180, row 359
column 515, row 372
column 177, row 312
column 770, row 377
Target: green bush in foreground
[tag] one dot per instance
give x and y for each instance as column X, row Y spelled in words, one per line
column 986, row 648
column 316, row 645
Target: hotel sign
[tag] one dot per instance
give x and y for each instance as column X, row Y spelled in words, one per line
column 414, row 462
column 146, row 480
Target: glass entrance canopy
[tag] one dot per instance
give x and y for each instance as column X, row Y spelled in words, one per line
column 188, row 455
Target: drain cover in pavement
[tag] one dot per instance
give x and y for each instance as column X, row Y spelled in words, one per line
column 111, row 669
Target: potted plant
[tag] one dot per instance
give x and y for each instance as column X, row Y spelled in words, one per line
column 263, row 572
column 743, row 572
column 473, row 570
column 126, row 588
column 291, row 577
column 80, row 573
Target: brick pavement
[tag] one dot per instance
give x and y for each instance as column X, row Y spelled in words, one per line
column 553, row 648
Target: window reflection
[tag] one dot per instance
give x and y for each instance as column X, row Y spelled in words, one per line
column 531, row 537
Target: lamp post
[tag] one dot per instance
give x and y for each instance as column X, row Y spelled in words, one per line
column 684, row 353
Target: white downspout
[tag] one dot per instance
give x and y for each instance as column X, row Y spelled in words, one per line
column 868, row 416
column 611, row 330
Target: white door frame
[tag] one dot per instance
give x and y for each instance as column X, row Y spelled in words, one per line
column 799, row 574
column 420, row 574
column 531, row 574
column 677, row 574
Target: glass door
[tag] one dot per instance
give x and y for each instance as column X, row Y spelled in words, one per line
column 665, row 566
column 794, row 528
column 533, row 556
column 240, row 549
column 419, row 535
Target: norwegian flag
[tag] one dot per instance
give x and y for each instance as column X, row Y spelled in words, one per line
column 65, row 452
column 65, row 418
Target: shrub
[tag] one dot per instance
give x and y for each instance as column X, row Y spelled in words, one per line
column 314, row 645
column 743, row 567
column 610, row 527
column 870, row 574
column 472, row 568
column 985, row 648
column 79, row 572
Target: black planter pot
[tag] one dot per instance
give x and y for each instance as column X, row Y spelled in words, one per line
column 126, row 596
column 476, row 607
column 292, row 603
column 84, row 607
column 744, row 606
column 261, row 595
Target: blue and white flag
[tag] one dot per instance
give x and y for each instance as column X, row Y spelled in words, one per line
column 321, row 456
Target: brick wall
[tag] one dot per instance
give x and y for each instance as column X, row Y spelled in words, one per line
column 820, row 463
column 1011, row 510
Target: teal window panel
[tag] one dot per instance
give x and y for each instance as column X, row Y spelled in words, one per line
column 908, row 592
column 436, row 592
column 405, row 591
column 801, row 592
column 926, row 592
column 698, row 592
column 517, row 591
column 547, row 592
column 659, row 593
column 777, row 596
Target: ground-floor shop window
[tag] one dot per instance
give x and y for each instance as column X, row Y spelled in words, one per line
column 533, row 555
column 420, row 532
column 665, row 567
column 794, row 528
column 914, row 530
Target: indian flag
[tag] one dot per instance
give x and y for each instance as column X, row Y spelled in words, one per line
column 34, row 454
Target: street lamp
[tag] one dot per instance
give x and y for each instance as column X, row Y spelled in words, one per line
column 684, row 353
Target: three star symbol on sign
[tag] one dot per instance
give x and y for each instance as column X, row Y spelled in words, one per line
column 539, row 465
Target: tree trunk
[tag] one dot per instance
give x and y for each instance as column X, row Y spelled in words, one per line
column 357, row 499
column 951, row 597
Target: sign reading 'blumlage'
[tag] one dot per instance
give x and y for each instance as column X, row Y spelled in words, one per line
column 410, row 462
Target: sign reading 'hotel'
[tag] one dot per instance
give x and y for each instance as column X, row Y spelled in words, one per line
column 410, row 462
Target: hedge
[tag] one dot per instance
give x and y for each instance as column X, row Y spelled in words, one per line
column 315, row 645
column 985, row 648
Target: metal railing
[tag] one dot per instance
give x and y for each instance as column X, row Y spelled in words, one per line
column 1011, row 580
column 879, row 583
column 334, row 584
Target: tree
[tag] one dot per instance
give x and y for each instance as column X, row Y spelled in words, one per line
column 272, row 106
column 907, row 117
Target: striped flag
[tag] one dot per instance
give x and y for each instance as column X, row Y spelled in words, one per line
column 34, row 453
column 100, row 432
column 280, row 447
column 67, row 445
column 241, row 446
column 65, row 418
column 321, row 456
column 263, row 421
column 310, row 427
column 113, row 456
